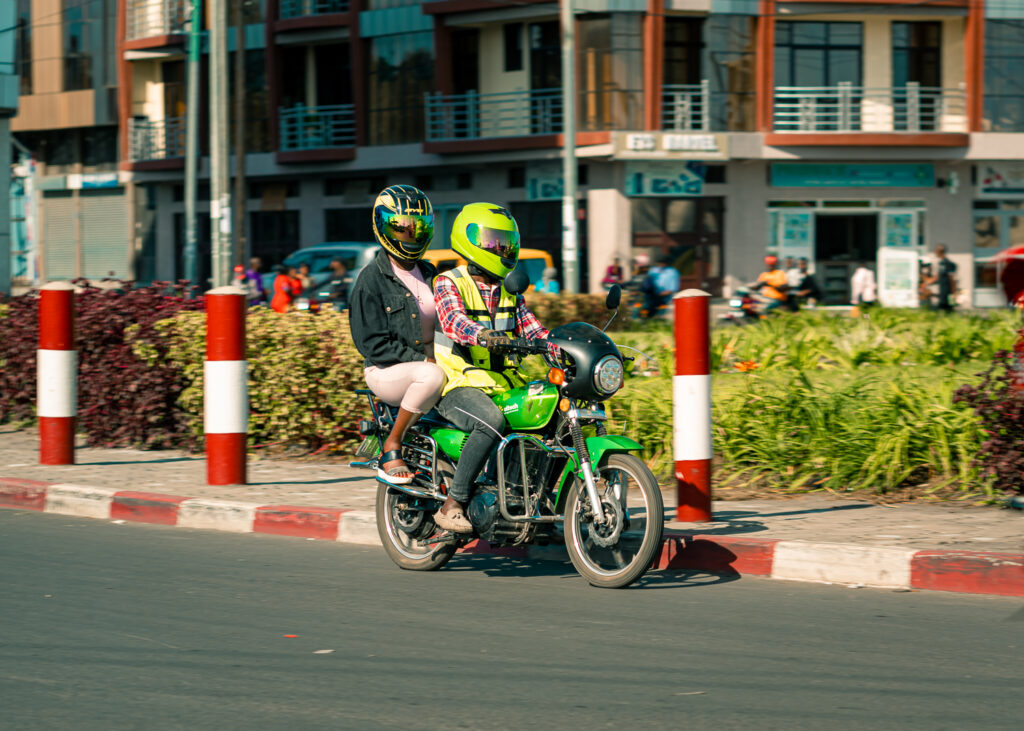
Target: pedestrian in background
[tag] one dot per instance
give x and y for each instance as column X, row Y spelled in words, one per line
column 549, row 281
column 793, row 273
column 340, row 284
column 304, row 277
column 862, row 289
column 945, row 278
column 613, row 274
column 286, row 288
column 806, row 289
column 254, row 282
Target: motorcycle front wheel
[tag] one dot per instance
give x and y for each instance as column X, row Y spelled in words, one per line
column 405, row 532
column 619, row 551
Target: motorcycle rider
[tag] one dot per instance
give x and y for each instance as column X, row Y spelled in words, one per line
column 392, row 318
column 476, row 316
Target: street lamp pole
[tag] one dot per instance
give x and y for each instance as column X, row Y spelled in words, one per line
column 220, row 193
column 570, row 238
column 192, row 145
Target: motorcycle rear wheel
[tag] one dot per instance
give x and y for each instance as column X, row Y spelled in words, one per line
column 603, row 558
column 404, row 533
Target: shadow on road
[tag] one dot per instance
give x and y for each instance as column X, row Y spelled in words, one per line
column 85, row 463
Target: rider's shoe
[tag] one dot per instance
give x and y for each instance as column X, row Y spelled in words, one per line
column 454, row 520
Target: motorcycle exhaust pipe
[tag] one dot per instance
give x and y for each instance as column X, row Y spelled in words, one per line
column 415, row 491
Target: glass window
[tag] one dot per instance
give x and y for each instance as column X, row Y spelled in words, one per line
column 1004, row 84
column 680, row 216
column 401, row 71
column 346, row 224
column 274, row 235
column 727, row 62
column 986, row 232
column 78, row 45
column 24, row 40
column 683, row 47
column 646, row 214
column 513, row 46
column 817, row 54
column 610, row 72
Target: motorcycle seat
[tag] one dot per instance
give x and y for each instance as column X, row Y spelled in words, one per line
column 431, row 419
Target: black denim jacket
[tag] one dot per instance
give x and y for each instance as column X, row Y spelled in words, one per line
column 384, row 315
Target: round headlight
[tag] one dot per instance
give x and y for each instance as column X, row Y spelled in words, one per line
column 608, row 374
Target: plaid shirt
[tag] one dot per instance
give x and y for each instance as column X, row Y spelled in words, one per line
column 456, row 324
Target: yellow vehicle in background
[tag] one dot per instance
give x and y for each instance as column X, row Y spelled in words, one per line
column 535, row 261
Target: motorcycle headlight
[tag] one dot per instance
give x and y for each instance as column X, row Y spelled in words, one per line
column 608, row 374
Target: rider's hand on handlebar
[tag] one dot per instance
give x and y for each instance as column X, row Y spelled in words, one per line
column 494, row 340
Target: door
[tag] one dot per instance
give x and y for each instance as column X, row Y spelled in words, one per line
column 917, row 75
column 843, row 242
column 686, row 230
column 545, row 78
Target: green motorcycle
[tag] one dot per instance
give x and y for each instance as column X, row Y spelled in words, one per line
column 555, row 476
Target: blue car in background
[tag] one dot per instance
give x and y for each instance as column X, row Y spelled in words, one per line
column 356, row 255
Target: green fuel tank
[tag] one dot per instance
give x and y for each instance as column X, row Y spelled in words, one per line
column 529, row 407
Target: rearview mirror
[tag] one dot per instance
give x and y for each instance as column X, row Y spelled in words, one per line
column 517, row 281
column 613, row 298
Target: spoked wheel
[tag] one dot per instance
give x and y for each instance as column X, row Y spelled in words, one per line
column 405, row 531
column 617, row 552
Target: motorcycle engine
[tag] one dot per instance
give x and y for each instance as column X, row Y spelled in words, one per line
column 484, row 514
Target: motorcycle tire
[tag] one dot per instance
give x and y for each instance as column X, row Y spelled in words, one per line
column 404, row 532
column 640, row 534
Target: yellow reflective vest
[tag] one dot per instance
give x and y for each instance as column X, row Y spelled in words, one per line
column 474, row 366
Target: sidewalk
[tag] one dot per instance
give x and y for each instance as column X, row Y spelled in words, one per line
column 809, row 537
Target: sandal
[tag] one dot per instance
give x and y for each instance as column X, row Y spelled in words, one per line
column 391, row 475
column 455, row 521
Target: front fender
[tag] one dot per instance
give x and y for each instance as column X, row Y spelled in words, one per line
column 610, row 444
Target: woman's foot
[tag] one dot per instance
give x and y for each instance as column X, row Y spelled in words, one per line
column 393, row 468
column 452, row 517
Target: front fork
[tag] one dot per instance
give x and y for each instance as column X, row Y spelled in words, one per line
column 580, row 444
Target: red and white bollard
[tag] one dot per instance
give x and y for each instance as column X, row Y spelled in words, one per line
column 225, row 387
column 57, row 374
column 691, row 409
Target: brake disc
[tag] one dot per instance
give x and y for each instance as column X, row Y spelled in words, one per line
column 607, row 534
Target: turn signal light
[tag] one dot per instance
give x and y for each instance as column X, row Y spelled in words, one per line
column 556, row 376
column 564, row 404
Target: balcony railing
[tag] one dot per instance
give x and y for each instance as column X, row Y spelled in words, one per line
column 156, row 139
column 317, row 128
column 848, row 108
column 686, row 107
column 303, row 8
column 151, row 18
column 506, row 114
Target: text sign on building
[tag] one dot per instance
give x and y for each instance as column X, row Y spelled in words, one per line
column 852, row 175
column 670, row 146
column 671, row 180
column 544, row 181
column 1001, row 180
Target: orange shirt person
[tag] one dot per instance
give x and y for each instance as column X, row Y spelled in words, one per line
column 772, row 283
column 286, row 289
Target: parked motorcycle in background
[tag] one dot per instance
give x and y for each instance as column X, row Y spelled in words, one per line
column 556, row 477
column 743, row 309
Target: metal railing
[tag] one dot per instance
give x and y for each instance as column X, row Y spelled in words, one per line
column 149, row 18
column 848, row 108
column 302, row 8
column 686, row 107
column 156, row 139
column 316, row 128
column 505, row 114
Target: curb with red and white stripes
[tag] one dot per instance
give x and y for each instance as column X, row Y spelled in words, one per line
column 971, row 572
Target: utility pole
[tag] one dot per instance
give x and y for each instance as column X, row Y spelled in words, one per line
column 192, row 144
column 220, row 195
column 238, row 229
column 570, row 239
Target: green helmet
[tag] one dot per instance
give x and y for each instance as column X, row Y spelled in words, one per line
column 487, row 235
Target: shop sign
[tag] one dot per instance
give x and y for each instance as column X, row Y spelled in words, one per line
column 899, row 228
column 852, row 175
column 795, row 238
column 678, row 180
column 544, row 181
column 77, row 181
column 898, row 273
column 670, row 146
column 1001, row 179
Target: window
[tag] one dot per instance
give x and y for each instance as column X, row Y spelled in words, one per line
column 513, row 46
column 347, row 224
column 610, row 67
column 714, row 174
column 728, row 65
column 78, row 45
column 99, row 147
column 1004, row 84
column 401, row 71
column 275, row 234
column 24, row 39
column 516, row 177
column 683, row 47
column 817, row 54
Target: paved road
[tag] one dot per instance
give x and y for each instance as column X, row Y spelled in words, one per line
column 130, row 626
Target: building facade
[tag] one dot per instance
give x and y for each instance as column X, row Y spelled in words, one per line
column 708, row 131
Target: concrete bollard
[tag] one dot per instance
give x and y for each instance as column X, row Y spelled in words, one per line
column 691, row 408
column 57, row 374
column 225, row 387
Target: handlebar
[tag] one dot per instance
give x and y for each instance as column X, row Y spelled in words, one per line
column 524, row 346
